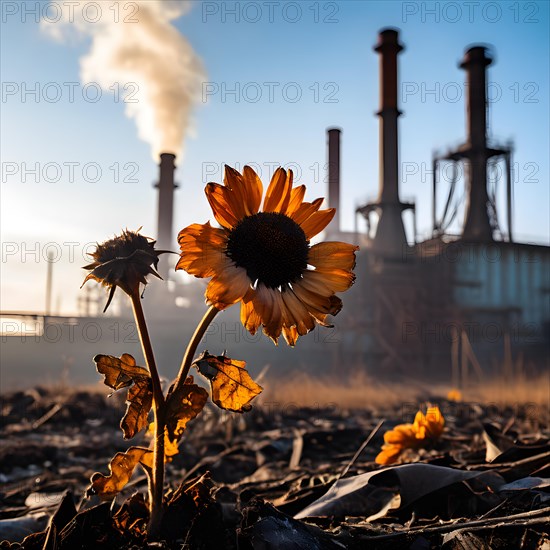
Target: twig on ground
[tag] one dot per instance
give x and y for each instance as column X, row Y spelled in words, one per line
column 43, row 419
column 361, row 449
column 514, row 520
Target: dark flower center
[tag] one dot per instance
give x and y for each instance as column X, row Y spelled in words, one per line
column 272, row 248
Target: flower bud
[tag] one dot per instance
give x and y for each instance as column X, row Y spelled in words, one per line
column 124, row 262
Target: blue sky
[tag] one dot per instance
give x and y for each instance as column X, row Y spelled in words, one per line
column 316, row 58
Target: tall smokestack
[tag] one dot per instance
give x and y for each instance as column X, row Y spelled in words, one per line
column 390, row 239
column 477, row 226
column 334, row 177
column 49, row 276
column 166, row 188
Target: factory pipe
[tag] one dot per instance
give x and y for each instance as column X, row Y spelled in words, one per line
column 334, row 177
column 165, row 210
column 509, row 193
column 477, row 226
column 49, row 277
column 390, row 238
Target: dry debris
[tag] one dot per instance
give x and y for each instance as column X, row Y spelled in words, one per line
column 277, row 479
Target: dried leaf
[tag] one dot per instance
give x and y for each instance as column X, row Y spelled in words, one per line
column 400, row 486
column 122, row 467
column 495, row 442
column 182, row 406
column 170, row 446
column 263, row 526
column 131, row 517
column 119, row 372
column 232, row 387
column 139, row 400
column 526, row 483
column 122, row 372
column 459, row 540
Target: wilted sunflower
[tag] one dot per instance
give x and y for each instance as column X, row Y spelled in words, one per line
column 264, row 258
column 454, row 395
column 425, row 429
column 124, row 261
column 396, row 441
column 429, row 425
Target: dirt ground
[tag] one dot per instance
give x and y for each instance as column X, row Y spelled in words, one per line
column 242, row 481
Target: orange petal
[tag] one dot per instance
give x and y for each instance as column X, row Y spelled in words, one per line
column 202, row 250
column 275, row 325
column 419, row 420
column 253, row 189
column 315, row 284
column 305, row 210
column 311, row 300
column 338, row 280
column 279, row 315
column 222, row 205
column 278, row 192
column 205, row 266
column 435, row 423
column 267, row 306
column 244, row 192
column 290, row 335
column 290, row 331
column 318, row 305
column 401, row 434
column 334, row 307
column 228, row 287
column 317, row 222
column 298, row 311
column 388, row 455
column 330, row 255
column 296, row 198
column 249, row 316
column 235, row 191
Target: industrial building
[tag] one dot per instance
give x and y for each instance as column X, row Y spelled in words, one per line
column 452, row 306
column 467, row 301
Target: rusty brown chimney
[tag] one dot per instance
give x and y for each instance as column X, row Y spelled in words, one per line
column 165, row 211
column 390, row 239
column 334, row 177
column 476, row 225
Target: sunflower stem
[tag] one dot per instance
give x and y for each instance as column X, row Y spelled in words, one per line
column 187, row 361
column 157, row 483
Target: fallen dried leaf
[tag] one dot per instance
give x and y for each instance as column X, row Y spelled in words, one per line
column 399, row 486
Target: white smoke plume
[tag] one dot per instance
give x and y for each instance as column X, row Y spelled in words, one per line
column 138, row 49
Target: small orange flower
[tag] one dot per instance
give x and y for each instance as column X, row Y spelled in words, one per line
column 425, row 429
column 454, row 395
column 430, row 425
column 264, row 260
column 395, row 442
